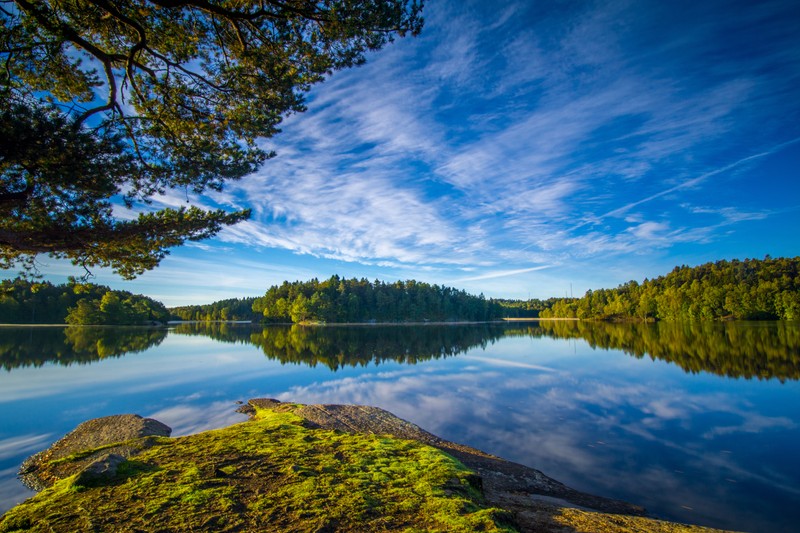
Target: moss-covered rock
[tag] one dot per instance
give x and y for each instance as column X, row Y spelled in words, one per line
column 308, row 468
column 270, row 474
column 121, row 435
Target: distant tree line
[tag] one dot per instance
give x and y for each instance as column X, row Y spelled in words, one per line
column 525, row 308
column 230, row 309
column 34, row 302
column 352, row 300
column 752, row 289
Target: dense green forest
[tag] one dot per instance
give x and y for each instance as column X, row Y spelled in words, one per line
column 525, row 308
column 242, row 309
column 752, row 289
column 27, row 302
column 230, row 309
column 352, row 300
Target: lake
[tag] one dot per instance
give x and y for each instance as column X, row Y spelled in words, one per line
column 697, row 422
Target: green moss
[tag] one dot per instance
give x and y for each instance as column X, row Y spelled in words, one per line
column 591, row 522
column 132, row 444
column 271, row 474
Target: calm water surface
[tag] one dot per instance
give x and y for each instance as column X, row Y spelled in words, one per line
column 696, row 422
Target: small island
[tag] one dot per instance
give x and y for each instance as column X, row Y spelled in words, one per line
column 296, row 467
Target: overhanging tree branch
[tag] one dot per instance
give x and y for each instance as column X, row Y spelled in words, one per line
column 145, row 96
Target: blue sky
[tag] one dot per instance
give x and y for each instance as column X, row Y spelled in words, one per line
column 523, row 149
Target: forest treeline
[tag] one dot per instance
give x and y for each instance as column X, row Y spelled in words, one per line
column 241, row 309
column 752, row 289
column 230, row 309
column 34, row 302
column 352, row 300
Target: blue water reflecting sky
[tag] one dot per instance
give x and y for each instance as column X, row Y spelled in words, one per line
column 691, row 447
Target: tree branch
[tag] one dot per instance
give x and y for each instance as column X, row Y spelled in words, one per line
column 65, row 31
column 111, row 103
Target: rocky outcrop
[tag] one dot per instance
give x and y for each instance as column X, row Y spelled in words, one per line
column 205, row 466
column 505, row 484
column 120, row 435
column 528, row 493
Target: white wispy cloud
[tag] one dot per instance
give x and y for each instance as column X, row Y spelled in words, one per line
column 516, row 134
column 504, row 273
column 24, row 445
column 694, row 182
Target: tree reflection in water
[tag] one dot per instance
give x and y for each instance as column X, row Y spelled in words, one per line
column 763, row 350
column 36, row 346
column 342, row 346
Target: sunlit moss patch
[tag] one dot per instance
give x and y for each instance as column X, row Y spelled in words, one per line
column 270, row 474
column 591, row 522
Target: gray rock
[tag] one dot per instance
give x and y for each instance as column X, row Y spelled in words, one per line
column 102, row 469
column 124, row 435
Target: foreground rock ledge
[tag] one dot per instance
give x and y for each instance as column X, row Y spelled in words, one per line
column 297, row 467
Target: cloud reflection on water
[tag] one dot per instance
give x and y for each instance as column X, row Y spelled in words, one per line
column 595, row 418
column 661, row 441
column 187, row 419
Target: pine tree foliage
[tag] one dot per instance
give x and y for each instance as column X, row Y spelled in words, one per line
column 114, row 102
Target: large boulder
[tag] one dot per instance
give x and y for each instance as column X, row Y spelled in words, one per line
column 120, row 435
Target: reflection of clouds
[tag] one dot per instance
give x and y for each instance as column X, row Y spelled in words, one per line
column 425, row 398
column 11, row 490
column 157, row 369
column 751, row 423
column 665, row 409
column 645, row 439
column 189, row 419
column 23, row 445
column 503, row 362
